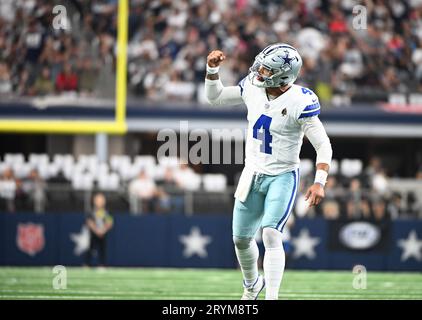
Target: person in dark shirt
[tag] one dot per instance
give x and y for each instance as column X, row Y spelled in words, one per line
column 99, row 223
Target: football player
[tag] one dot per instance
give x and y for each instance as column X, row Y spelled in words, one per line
column 279, row 114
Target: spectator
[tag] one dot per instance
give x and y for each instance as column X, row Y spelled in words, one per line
column 390, row 80
column 330, row 205
column 413, row 205
column 35, row 188
column 174, row 197
column 178, row 89
column 88, row 74
column 99, row 223
column 376, row 177
column 5, row 80
column 67, row 80
column 185, row 177
column 163, row 201
column 396, row 207
column 43, row 84
column 374, row 166
column 107, row 77
column 417, row 60
column 8, row 188
column 146, row 49
column 23, row 84
column 156, row 79
column 379, row 210
column 142, row 192
column 380, row 183
column 33, row 40
column 49, row 52
column 357, row 204
column 331, row 209
column 331, row 188
column 167, row 181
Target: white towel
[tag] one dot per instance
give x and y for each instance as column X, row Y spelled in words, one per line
column 244, row 185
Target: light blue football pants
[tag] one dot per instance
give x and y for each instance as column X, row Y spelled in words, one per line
column 269, row 204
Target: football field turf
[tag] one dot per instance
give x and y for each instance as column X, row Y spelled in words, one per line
column 204, row 284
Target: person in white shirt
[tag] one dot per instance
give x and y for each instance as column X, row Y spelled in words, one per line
column 142, row 190
column 280, row 113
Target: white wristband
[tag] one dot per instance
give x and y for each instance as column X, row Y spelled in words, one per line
column 321, row 177
column 212, row 70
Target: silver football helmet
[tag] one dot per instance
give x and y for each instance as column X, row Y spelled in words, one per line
column 282, row 60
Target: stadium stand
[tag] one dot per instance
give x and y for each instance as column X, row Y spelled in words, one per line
column 188, row 191
column 168, row 45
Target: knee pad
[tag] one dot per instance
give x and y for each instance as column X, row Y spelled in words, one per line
column 272, row 238
column 242, row 243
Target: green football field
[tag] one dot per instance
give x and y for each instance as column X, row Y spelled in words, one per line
column 204, row 284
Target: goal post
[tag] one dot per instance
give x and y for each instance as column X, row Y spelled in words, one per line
column 116, row 126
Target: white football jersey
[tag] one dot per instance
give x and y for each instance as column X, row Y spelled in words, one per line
column 275, row 133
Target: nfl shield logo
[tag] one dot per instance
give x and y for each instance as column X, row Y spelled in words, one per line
column 30, row 238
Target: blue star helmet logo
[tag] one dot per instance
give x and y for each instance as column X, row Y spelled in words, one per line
column 286, row 59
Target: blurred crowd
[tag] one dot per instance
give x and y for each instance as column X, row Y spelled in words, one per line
column 367, row 195
column 170, row 39
column 168, row 51
column 65, row 183
column 38, row 59
column 28, row 193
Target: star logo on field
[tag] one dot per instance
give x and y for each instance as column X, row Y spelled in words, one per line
column 412, row 247
column 81, row 241
column 305, row 245
column 195, row 243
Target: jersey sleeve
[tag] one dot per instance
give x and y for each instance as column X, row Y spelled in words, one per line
column 315, row 132
column 217, row 94
column 241, row 85
column 309, row 105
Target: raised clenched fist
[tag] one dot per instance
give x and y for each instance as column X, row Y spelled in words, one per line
column 215, row 57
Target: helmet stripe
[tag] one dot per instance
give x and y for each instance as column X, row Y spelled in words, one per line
column 269, row 50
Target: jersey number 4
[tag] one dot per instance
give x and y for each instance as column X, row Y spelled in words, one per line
column 265, row 136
